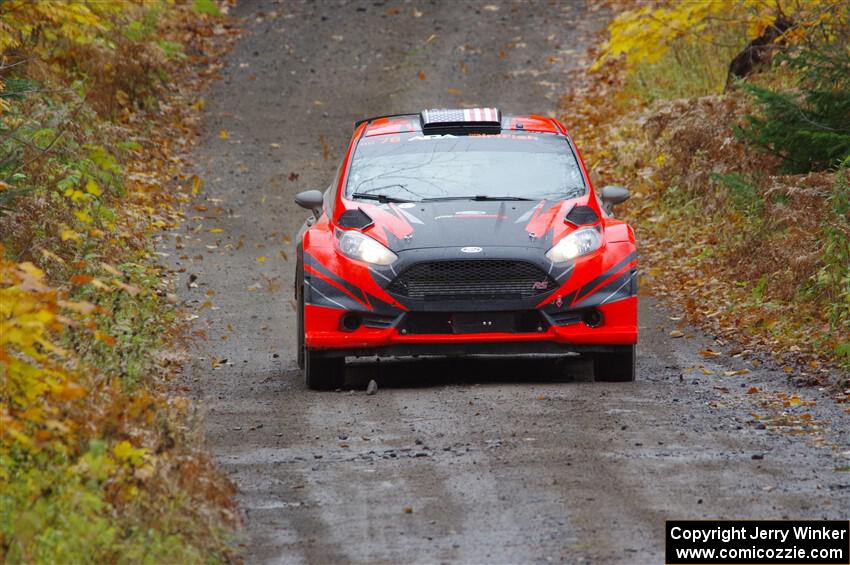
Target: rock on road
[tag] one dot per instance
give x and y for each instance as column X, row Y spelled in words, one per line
column 465, row 460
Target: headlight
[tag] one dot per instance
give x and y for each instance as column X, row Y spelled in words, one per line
column 363, row 248
column 580, row 242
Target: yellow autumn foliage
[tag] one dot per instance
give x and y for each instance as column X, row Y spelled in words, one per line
column 646, row 34
column 98, row 462
column 35, row 374
column 21, row 20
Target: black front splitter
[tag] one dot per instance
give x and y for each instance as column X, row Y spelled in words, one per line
column 465, row 349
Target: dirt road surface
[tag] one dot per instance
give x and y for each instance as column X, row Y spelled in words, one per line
column 461, row 461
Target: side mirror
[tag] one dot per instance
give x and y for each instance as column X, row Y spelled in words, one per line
column 613, row 194
column 313, row 200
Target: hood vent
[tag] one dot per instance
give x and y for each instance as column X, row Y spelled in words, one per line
column 582, row 216
column 356, row 219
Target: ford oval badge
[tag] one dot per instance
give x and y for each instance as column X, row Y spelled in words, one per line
column 471, row 250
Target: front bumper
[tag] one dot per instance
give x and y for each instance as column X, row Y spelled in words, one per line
column 324, row 332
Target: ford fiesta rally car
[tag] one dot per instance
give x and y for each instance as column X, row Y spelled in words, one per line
column 458, row 232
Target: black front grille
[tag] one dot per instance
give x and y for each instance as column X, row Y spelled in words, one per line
column 480, row 279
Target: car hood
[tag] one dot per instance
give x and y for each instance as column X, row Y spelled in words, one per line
column 467, row 223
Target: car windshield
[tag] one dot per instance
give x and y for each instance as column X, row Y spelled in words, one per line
column 510, row 165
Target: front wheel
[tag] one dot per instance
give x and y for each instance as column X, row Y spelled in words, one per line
column 323, row 373
column 302, row 346
column 615, row 366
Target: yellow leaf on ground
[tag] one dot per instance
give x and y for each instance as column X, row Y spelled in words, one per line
column 125, row 451
column 93, row 188
column 261, row 259
column 83, row 216
column 68, row 233
column 222, row 134
column 50, row 255
column 676, row 333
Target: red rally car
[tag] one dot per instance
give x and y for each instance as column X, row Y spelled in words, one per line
column 461, row 232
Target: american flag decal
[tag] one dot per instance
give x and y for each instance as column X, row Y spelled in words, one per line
column 456, row 116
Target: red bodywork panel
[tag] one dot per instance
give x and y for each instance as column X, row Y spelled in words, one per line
column 603, row 280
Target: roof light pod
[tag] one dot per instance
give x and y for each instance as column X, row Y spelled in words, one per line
column 466, row 120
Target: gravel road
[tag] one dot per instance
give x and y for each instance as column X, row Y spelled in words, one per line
column 463, row 461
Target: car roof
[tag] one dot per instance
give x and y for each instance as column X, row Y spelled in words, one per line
column 411, row 123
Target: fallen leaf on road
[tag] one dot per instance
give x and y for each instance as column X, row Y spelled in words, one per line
column 676, row 333
column 261, row 259
column 222, row 134
column 421, row 75
column 708, row 353
column 734, row 373
column 293, row 177
column 325, row 149
column 408, row 510
column 753, row 390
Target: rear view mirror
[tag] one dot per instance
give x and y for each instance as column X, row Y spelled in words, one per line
column 612, row 195
column 312, row 200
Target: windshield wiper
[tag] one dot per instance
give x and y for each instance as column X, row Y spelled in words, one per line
column 382, row 198
column 477, row 197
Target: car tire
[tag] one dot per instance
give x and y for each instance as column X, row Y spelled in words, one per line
column 302, row 346
column 615, row 366
column 323, row 373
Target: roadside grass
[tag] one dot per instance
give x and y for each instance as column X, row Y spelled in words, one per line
column 756, row 257
column 100, row 458
column 690, row 69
